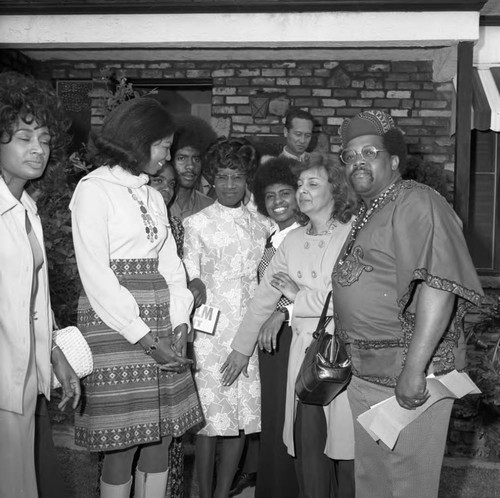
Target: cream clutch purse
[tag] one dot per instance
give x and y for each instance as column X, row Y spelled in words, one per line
column 72, row 343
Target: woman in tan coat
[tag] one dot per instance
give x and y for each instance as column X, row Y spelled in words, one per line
column 320, row 438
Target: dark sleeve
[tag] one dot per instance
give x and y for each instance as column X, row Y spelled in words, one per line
column 178, row 233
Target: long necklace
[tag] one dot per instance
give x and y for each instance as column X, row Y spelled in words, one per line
column 362, row 218
column 150, row 225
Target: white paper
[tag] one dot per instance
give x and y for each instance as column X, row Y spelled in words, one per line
column 385, row 420
column 205, row 319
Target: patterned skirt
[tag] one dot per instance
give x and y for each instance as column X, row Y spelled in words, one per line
column 128, row 400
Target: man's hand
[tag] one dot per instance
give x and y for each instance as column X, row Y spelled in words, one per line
column 199, row 291
column 433, row 310
column 235, row 364
column 411, row 389
column 67, row 377
column 269, row 331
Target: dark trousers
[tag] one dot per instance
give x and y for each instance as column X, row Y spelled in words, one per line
column 276, row 471
column 49, row 481
column 318, row 475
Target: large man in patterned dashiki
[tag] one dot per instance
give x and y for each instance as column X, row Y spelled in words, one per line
column 401, row 288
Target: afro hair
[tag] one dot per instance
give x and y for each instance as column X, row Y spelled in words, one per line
column 277, row 170
column 192, row 131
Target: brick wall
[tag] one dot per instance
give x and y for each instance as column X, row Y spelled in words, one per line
column 330, row 90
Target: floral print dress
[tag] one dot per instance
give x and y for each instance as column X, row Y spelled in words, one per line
column 223, row 247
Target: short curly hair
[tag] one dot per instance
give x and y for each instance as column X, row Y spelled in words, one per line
column 277, row 170
column 30, row 100
column 345, row 199
column 129, row 131
column 194, row 132
column 231, row 153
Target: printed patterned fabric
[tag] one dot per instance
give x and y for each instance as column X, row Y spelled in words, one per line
column 412, row 237
column 223, row 247
column 128, row 399
column 269, row 252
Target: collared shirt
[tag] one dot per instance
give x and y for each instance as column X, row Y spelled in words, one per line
column 16, row 279
column 197, row 201
column 302, row 158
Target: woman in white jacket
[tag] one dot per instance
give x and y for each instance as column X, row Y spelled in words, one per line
column 32, row 126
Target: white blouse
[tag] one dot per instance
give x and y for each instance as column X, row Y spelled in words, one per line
column 108, row 209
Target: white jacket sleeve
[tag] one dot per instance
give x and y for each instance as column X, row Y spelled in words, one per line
column 113, row 303
column 172, row 269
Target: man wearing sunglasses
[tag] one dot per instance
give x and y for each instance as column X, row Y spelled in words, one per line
column 401, row 288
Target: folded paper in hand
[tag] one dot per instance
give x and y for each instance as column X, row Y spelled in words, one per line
column 205, row 319
column 385, row 420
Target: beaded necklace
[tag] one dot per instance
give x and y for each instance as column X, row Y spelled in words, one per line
column 331, row 227
column 361, row 220
column 150, row 225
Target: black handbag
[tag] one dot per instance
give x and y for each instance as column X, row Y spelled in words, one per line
column 326, row 369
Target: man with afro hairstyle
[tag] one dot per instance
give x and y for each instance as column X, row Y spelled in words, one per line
column 191, row 140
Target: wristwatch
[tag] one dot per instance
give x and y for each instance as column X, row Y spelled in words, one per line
column 286, row 313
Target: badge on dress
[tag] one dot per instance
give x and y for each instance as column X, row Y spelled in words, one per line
column 205, row 319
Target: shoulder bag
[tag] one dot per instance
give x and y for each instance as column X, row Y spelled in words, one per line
column 326, row 369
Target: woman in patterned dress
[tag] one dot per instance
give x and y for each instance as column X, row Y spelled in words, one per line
column 223, row 247
column 135, row 306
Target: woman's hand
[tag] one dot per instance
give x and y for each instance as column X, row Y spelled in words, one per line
column 199, row 291
column 235, row 364
column 269, row 331
column 411, row 389
column 165, row 354
column 179, row 343
column 67, row 377
column 285, row 285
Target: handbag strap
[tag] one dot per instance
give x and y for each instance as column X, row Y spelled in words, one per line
column 324, row 320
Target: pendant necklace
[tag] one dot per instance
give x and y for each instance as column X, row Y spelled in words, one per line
column 150, row 225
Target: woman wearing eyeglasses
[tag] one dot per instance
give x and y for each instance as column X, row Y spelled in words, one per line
column 224, row 244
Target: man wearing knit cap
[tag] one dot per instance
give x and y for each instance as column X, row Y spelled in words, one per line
column 401, row 287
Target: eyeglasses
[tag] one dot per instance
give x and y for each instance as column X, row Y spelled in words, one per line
column 368, row 153
column 182, row 159
column 238, row 178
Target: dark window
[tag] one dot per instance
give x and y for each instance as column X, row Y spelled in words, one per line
column 186, row 96
column 484, row 239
